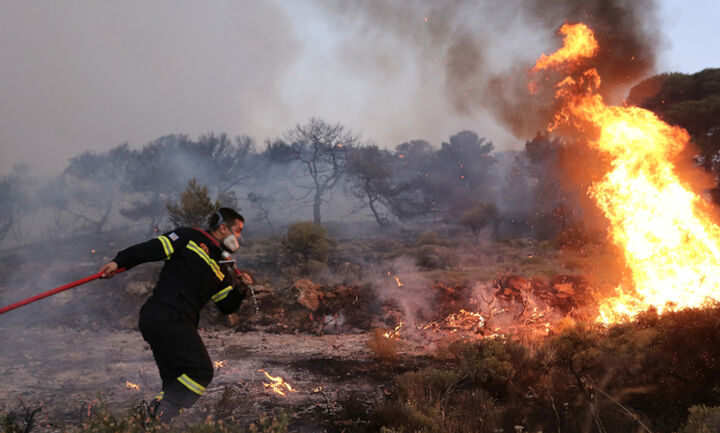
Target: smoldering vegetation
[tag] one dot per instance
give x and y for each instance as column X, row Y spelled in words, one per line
column 318, row 171
column 460, row 266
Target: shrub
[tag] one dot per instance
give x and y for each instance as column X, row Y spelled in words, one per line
column 637, row 376
column 383, row 347
column 479, row 216
column 430, row 401
column 488, row 365
column 194, row 206
column 426, row 386
column 574, row 237
column 702, row 419
column 306, row 245
column 435, row 257
column 135, row 421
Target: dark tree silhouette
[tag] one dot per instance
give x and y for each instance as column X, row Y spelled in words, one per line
column 14, row 200
column 370, row 172
column 321, row 149
column 92, row 184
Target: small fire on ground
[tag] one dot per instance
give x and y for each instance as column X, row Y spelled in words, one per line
column 278, row 385
column 130, row 385
column 220, row 364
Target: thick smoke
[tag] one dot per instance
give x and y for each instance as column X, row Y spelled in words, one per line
column 81, row 75
column 483, row 49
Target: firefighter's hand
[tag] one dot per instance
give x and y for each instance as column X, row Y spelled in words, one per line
column 108, row 270
column 245, row 278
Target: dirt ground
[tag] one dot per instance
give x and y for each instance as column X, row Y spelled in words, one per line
column 64, row 370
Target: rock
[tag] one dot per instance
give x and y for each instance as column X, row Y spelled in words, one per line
column 308, row 293
column 139, row 288
column 233, row 320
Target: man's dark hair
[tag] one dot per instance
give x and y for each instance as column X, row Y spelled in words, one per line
column 224, row 215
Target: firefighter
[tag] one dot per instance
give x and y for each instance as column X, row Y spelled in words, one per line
column 193, row 274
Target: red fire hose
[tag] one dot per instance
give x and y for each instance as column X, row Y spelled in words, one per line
column 54, row 291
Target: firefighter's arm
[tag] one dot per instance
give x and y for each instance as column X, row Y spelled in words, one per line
column 159, row 248
column 232, row 291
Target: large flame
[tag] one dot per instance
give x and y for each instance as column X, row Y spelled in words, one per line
column 578, row 42
column 670, row 243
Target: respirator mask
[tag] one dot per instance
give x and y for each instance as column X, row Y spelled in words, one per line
column 231, row 243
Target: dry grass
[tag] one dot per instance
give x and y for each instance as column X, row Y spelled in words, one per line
column 384, row 348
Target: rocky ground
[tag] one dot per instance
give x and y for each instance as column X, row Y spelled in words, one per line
column 65, row 370
column 68, row 352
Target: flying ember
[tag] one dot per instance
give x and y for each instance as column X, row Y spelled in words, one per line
column 664, row 228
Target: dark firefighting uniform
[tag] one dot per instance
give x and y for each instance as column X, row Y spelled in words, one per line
column 189, row 279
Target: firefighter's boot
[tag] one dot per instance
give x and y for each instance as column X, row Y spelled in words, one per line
column 177, row 397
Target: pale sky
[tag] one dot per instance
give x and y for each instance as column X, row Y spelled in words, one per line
column 692, row 34
column 81, row 74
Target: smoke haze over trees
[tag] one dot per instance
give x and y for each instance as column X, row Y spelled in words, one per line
column 318, row 168
column 398, row 70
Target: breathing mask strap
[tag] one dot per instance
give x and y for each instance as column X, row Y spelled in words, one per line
column 220, row 221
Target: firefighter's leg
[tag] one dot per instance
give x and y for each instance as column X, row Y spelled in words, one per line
column 184, row 364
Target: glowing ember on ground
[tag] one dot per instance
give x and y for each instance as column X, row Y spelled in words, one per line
column 220, row 364
column 394, row 333
column 670, row 243
column 131, row 385
column 464, row 320
column 277, row 384
column 399, row 283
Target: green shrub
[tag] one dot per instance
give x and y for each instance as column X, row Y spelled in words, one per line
column 193, row 208
column 435, row 257
column 488, row 365
column 639, row 376
column 430, row 401
column 702, row 419
column 426, row 386
column 306, row 245
column 479, row 216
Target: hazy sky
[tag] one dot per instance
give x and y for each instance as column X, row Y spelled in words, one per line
column 82, row 74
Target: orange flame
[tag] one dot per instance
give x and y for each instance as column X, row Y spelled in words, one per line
column 395, row 332
column 670, row 243
column 579, row 42
column 220, row 364
column 277, row 384
column 131, row 385
column 399, row 283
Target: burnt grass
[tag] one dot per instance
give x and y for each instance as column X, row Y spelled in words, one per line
column 658, row 373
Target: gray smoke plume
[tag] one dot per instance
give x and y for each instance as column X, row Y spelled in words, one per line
column 484, row 49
